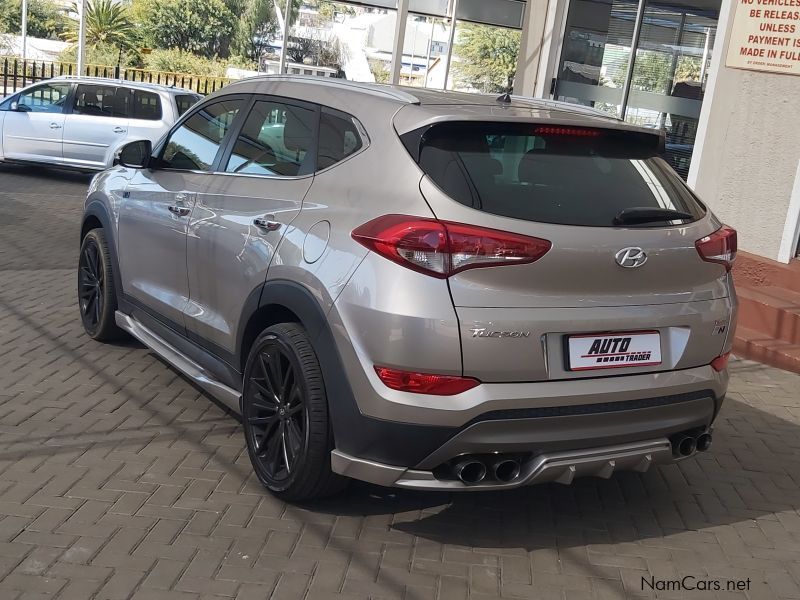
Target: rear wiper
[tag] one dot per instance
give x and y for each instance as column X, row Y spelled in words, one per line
column 645, row 214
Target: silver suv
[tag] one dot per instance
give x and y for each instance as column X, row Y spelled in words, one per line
column 419, row 289
column 81, row 122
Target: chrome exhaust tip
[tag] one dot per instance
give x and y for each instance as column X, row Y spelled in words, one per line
column 703, row 442
column 686, row 446
column 470, row 472
column 506, row 470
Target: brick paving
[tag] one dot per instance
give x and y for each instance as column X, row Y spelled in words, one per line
column 119, row 480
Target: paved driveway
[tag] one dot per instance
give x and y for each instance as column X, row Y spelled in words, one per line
column 118, row 479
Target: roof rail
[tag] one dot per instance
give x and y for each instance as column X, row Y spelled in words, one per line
column 386, row 91
column 563, row 106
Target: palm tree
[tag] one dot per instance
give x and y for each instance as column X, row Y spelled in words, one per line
column 107, row 22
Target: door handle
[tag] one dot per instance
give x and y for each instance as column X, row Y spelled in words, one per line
column 55, row 126
column 266, row 223
column 119, row 130
column 181, row 211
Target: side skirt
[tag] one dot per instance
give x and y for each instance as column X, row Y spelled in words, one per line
column 202, row 378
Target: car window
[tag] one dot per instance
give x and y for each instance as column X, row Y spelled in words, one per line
column 47, row 98
column 185, row 101
column 275, row 140
column 338, row 138
column 96, row 101
column 146, row 106
column 529, row 172
column 194, row 145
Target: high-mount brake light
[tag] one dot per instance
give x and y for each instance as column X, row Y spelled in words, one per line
column 441, row 248
column 719, row 247
column 573, row 131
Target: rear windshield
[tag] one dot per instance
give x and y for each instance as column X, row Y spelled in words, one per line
column 551, row 174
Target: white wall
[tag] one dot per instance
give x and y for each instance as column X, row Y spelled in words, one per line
column 747, row 151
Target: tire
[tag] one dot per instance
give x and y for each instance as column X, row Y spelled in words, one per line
column 288, row 433
column 97, row 295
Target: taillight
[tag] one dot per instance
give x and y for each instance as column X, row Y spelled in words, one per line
column 719, row 247
column 425, row 383
column 442, row 248
column 721, row 362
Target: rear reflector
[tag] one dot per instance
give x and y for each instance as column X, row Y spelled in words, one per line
column 442, row 248
column 425, row 383
column 719, row 247
column 721, row 362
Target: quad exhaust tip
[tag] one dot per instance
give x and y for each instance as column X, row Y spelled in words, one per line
column 686, row 446
column 471, row 472
column 704, row 442
column 506, row 470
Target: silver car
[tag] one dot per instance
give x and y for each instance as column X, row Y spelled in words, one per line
column 81, row 122
column 419, row 289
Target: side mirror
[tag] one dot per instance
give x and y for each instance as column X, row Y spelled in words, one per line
column 136, row 155
column 17, row 107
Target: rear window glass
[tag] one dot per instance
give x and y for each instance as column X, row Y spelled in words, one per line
column 540, row 173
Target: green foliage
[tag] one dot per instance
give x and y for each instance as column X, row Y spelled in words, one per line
column 101, row 54
column 257, row 21
column 45, row 18
column 486, row 57
column 651, row 72
column 379, row 70
column 107, row 24
column 178, row 61
column 202, row 27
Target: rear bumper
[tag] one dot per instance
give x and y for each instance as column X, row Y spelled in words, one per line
column 562, row 467
column 555, row 443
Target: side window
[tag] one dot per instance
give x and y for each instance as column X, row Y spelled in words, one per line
column 338, row 138
column 47, row 98
column 95, row 101
column 275, row 140
column 194, row 145
column 185, row 101
column 146, row 106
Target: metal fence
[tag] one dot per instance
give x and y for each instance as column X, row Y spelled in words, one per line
column 16, row 74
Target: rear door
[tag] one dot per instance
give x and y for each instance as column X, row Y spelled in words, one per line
column 96, row 126
column 35, row 130
column 570, row 186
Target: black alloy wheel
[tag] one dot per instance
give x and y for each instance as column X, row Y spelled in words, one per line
column 285, row 416
column 97, row 299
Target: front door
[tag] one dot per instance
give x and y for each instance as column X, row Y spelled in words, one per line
column 240, row 217
column 35, row 130
column 97, row 125
column 156, row 210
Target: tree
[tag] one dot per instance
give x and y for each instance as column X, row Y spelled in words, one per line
column 203, row 27
column 317, row 49
column 257, row 22
column 107, row 24
column 485, row 56
column 652, row 72
column 45, row 18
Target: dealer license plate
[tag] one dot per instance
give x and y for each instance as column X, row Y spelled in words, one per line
column 614, row 350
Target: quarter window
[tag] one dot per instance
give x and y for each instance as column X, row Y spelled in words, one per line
column 47, row 98
column 97, row 101
column 338, row 138
column 194, row 145
column 275, row 141
column 146, row 106
column 185, row 101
